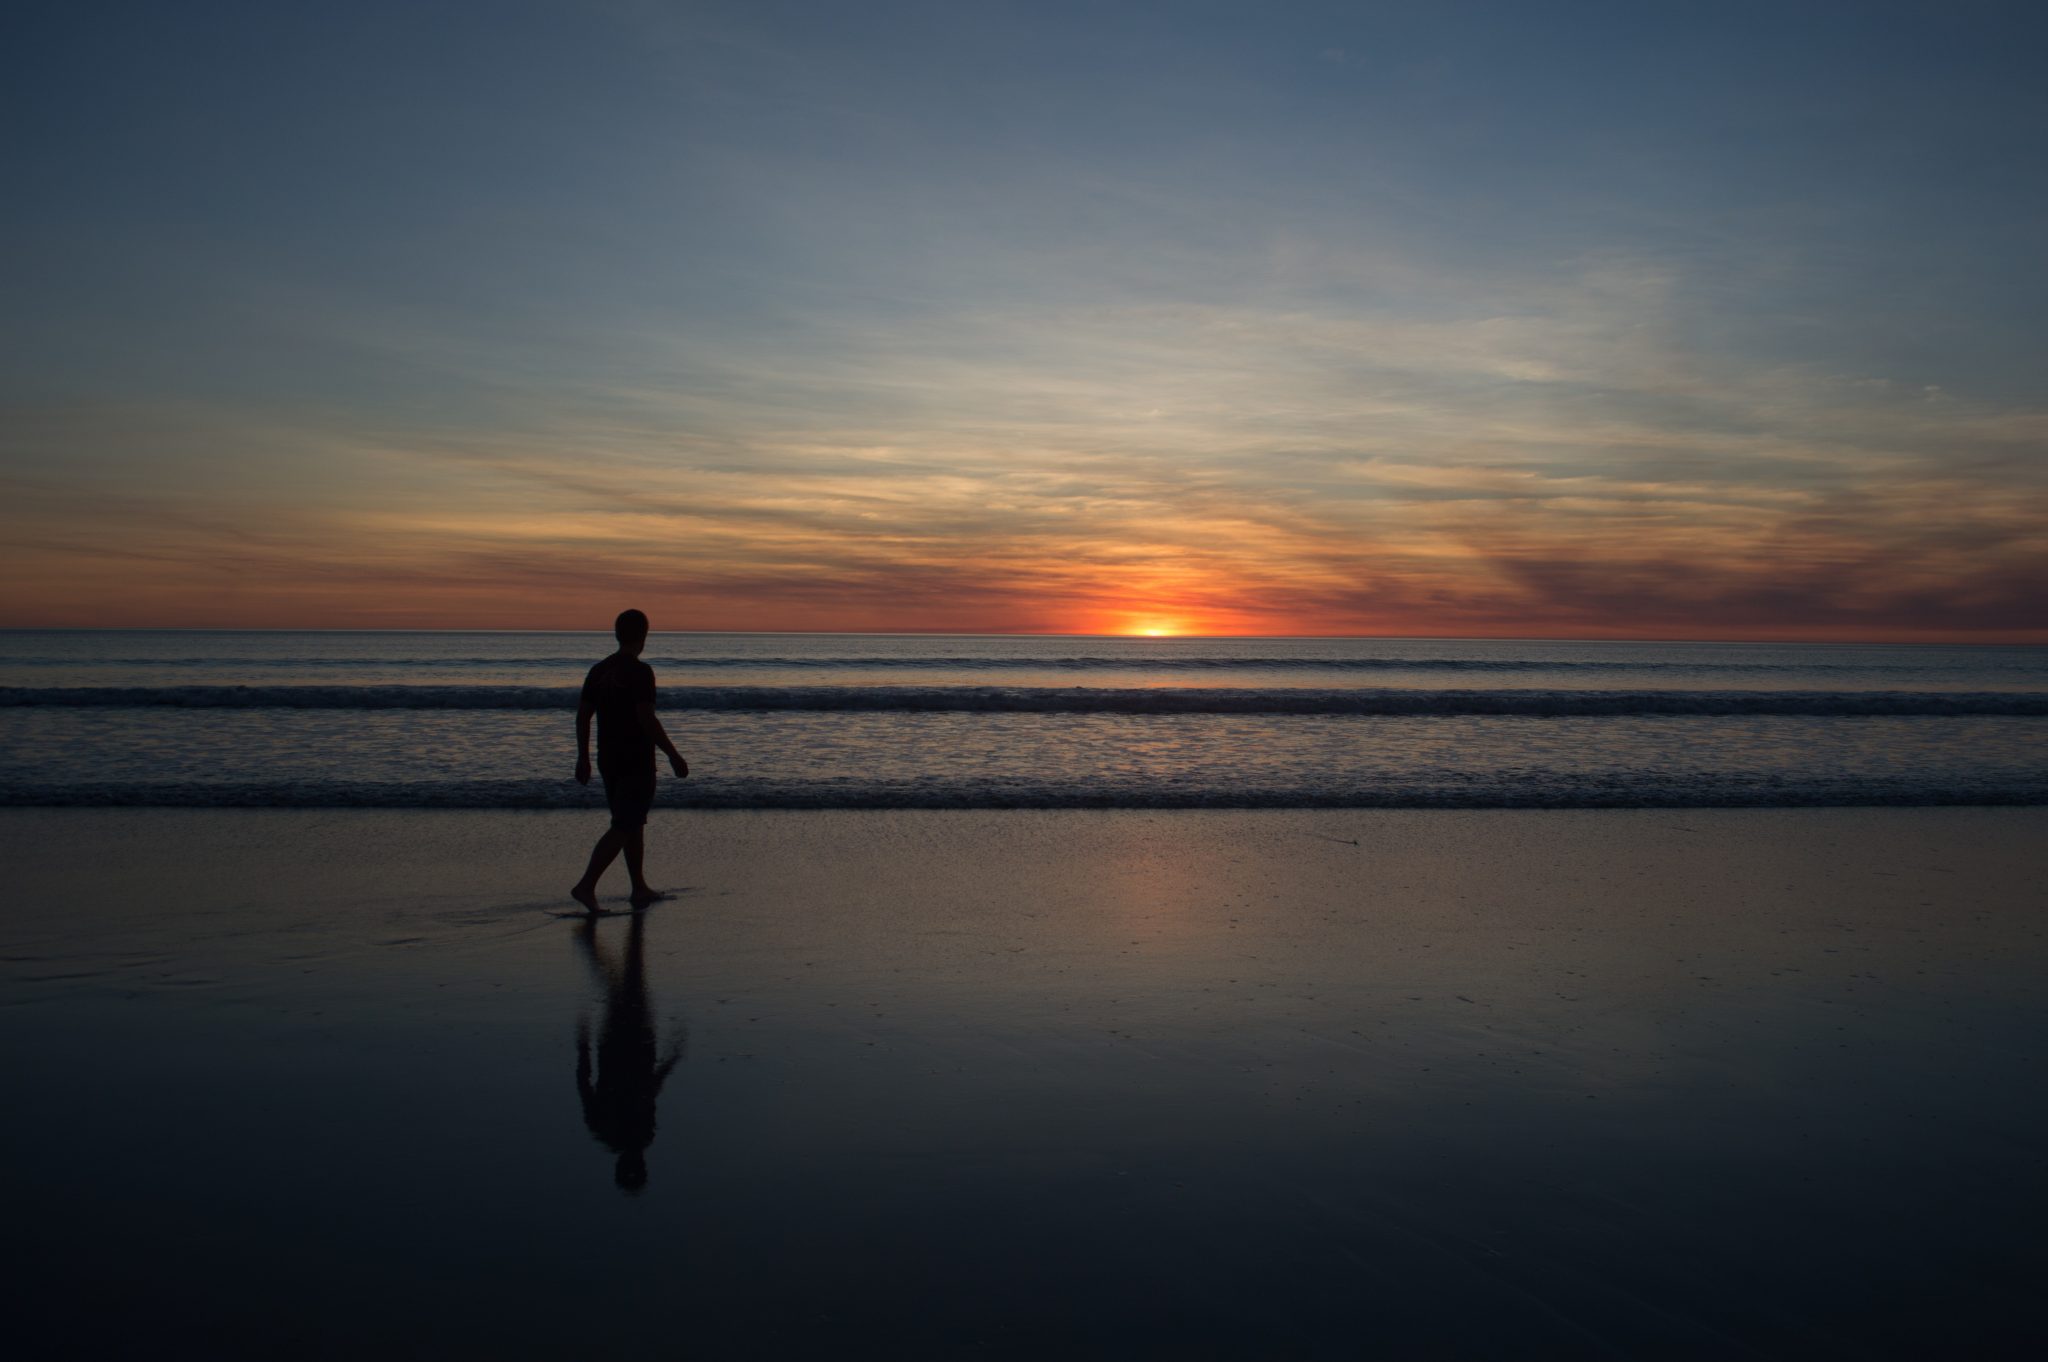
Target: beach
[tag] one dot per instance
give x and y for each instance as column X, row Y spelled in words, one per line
column 1298, row 683
column 1115, row 1083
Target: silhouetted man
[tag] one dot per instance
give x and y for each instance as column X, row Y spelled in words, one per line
column 619, row 694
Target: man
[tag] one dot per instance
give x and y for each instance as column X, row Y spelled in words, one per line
column 619, row 693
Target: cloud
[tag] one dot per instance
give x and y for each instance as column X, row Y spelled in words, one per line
column 1550, row 458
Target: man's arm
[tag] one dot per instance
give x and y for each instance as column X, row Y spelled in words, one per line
column 650, row 724
column 584, row 711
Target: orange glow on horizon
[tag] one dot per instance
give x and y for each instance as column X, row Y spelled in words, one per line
column 1462, row 575
column 1190, row 621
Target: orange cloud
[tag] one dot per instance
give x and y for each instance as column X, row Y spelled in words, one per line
column 1179, row 471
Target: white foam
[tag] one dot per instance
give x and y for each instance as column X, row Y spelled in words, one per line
column 1573, row 703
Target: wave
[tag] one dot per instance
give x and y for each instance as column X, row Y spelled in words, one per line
column 1148, row 661
column 1519, row 792
column 1070, row 700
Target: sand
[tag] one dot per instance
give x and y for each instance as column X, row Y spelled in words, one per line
column 1660, row 1084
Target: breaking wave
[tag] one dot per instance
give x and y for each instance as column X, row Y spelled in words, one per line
column 1070, row 700
column 1553, row 791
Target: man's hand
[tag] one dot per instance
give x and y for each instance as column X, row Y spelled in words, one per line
column 583, row 770
column 679, row 766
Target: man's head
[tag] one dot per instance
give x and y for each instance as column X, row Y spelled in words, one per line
column 631, row 630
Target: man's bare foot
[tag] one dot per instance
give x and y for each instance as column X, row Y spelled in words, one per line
column 585, row 895
column 644, row 896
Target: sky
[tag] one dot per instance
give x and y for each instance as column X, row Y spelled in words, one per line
column 1671, row 320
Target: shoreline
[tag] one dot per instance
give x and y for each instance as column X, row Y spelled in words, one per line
column 555, row 796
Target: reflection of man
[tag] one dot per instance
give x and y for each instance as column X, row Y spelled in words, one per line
column 618, row 1105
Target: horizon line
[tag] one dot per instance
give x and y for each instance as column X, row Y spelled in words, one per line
column 1882, row 642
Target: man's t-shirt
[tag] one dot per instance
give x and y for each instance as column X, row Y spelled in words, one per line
column 616, row 688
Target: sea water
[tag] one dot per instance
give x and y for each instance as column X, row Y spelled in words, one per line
column 485, row 720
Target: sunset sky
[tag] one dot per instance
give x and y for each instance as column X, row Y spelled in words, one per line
column 1553, row 319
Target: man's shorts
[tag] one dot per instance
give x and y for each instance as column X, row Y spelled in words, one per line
column 629, row 794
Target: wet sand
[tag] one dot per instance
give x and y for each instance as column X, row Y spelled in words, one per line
column 1672, row 1084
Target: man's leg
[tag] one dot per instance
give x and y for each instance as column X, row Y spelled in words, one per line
column 601, row 857
column 635, row 847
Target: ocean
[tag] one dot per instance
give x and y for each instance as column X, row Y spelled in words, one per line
column 484, row 720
